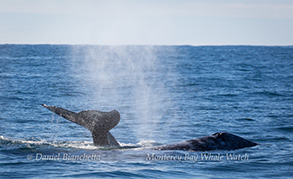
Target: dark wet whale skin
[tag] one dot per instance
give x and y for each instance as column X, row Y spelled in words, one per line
column 217, row 141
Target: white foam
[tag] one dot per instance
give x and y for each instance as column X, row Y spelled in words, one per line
column 3, row 138
column 87, row 145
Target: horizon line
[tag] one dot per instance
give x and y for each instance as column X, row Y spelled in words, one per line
column 194, row 45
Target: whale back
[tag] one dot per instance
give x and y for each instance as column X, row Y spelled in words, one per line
column 217, row 141
column 228, row 141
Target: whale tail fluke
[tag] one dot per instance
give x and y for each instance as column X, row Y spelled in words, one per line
column 97, row 122
column 69, row 115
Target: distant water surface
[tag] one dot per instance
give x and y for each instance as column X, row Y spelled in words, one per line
column 164, row 94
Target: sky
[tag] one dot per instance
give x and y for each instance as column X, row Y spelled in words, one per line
column 147, row 22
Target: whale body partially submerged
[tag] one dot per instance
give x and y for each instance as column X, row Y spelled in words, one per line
column 100, row 123
column 217, row 141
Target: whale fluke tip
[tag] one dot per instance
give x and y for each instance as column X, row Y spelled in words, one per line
column 45, row 105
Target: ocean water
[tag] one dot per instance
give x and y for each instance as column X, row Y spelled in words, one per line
column 164, row 94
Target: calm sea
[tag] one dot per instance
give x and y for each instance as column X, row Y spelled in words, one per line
column 164, row 94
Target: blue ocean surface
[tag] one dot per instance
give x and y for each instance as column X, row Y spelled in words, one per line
column 164, row 94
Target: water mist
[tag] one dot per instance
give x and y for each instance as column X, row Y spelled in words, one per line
column 127, row 78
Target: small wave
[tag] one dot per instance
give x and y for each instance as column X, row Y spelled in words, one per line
column 139, row 145
column 274, row 139
column 43, row 143
column 87, row 145
column 228, row 95
column 245, row 119
column 3, row 139
column 190, row 85
column 28, row 143
column 76, row 145
column 286, row 129
column 268, row 93
column 146, row 143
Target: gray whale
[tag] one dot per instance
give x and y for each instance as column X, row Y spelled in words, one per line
column 100, row 123
column 217, row 141
column 97, row 122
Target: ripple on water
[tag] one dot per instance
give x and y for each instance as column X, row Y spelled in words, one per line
column 288, row 129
